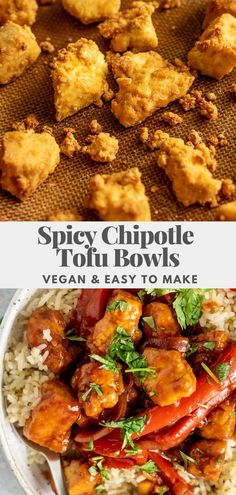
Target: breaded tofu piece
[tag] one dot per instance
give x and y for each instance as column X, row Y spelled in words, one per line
column 214, row 54
column 78, row 479
column 70, row 145
column 89, row 11
column 217, row 8
column 132, row 28
column 188, row 170
column 97, row 389
column 19, row 11
column 51, row 420
column 65, row 216
column 27, row 158
column 79, row 77
column 18, row 50
column 226, row 212
column 102, row 148
column 126, row 317
column 119, row 197
column 146, row 82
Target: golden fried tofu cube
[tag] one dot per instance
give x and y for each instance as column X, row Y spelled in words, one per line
column 19, row 11
column 146, row 82
column 79, row 77
column 227, row 212
column 78, row 479
column 102, row 148
column 26, row 160
column 132, row 28
column 18, row 50
column 217, row 8
column 119, row 196
column 51, row 420
column 88, row 11
column 173, row 377
column 186, row 167
column 214, row 54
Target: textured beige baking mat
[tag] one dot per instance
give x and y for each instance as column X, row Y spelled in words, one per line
column 68, row 186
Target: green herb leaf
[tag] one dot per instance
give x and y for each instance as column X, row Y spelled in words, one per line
column 163, row 490
column 222, row 370
column 188, row 306
column 99, row 466
column 129, row 426
column 107, row 362
column 99, row 488
column 121, row 305
column 90, row 445
column 210, row 373
column 93, row 470
column 1, row 318
column 209, row 345
column 186, row 458
column 92, row 386
column 70, row 335
column 149, row 467
column 191, row 350
column 136, row 450
column 154, row 292
column 150, row 322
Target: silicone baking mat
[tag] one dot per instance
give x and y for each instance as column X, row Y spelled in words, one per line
column 69, row 185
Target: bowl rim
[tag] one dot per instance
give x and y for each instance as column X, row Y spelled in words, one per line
column 18, row 300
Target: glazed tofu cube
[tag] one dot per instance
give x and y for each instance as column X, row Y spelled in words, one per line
column 188, row 170
column 47, row 326
column 51, row 420
column 227, row 212
column 217, row 8
column 128, row 318
column 91, row 11
column 78, row 479
column 19, row 11
column 173, row 377
column 26, row 161
column 146, row 82
column 18, row 50
column 119, row 196
column 79, row 77
column 132, row 28
column 214, row 54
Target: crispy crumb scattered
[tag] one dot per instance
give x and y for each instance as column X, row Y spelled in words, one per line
column 48, row 129
column 211, row 96
column 172, row 118
column 223, row 141
column 188, row 169
column 102, row 148
column 95, row 127
column 154, row 189
column 226, row 212
column 228, row 188
column 47, row 47
column 213, row 139
column 146, row 82
column 119, row 196
column 27, row 159
column 171, row 4
column 208, row 109
column 195, row 99
column 65, row 216
column 70, row 145
column 131, row 28
column 144, row 135
column 30, row 122
column 108, row 94
column 194, row 137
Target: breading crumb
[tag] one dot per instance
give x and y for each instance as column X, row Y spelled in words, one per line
column 208, row 109
column 213, row 139
column 70, row 145
column 233, row 88
column 30, row 122
column 211, row 96
column 223, row 141
column 47, row 47
column 65, row 216
column 48, row 129
column 102, row 148
column 194, row 137
column 95, row 127
column 154, row 189
column 108, row 94
column 143, row 135
column 172, row 118
column 68, row 129
column 195, row 99
column 228, row 188
column 171, row 4
column 226, row 212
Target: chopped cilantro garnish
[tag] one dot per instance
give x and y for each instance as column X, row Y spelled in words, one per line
column 222, row 370
column 99, row 488
column 210, row 373
column 107, row 362
column 191, row 350
column 122, row 305
column 209, row 345
column 92, row 386
column 186, row 458
column 163, row 490
column 187, row 306
column 150, row 322
column 71, row 335
column 154, row 292
column 99, row 466
column 93, row 470
column 129, row 426
column 136, row 450
column 90, row 445
column 149, row 467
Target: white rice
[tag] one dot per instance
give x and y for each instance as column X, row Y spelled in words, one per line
column 25, row 371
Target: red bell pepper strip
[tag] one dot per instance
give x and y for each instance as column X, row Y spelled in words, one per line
column 119, row 463
column 90, row 308
column 180, row 430
column 110, row 446
column 175, row 482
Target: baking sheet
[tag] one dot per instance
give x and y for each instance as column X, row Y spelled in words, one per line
column 68, row 186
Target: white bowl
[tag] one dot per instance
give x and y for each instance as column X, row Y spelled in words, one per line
column 30, row 478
